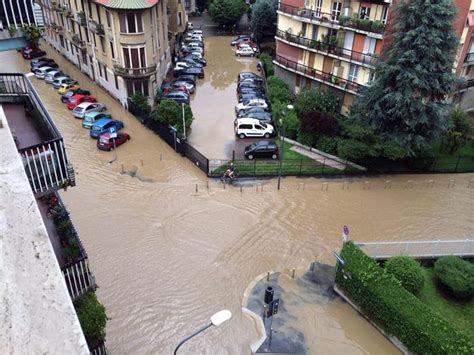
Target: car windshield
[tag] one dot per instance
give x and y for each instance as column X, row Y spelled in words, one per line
column 72, row 101
column 87, row 119
column 96, row 128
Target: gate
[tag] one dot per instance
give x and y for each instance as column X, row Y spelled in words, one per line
column 196, row 157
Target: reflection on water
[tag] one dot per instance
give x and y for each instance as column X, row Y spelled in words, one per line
column 166, row 257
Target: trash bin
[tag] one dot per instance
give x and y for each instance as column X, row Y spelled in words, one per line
column 268, row 294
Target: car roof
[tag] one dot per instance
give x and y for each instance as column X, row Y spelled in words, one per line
column 247, row 120
column 102, row 121
column 78, row 96
column 62, row 78
column 85, row 104
column 96, row 113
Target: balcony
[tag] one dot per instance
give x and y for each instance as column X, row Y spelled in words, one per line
column 56, row 27
column 96, row 27
column 469, row 59
column 39, row 142
column 134, row 72
column 81, row 18
column 55, row 6
column 321, row 47
column 332, row 20
column 327, row 78
column 76, row 40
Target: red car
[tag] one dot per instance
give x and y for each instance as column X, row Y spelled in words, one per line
column 176, row 87
column 105, row 142
column 79, row 99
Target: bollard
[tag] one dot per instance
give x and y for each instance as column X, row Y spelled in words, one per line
column 207, row 184
column 268, row 276
column 240, row 189
column 196, row 188
column 312, row 266
column 141, row 160
column 224, row 185
column 256, row 188
column 293, row 274
column 303, row 186
column 161, row 157
column 123, row 171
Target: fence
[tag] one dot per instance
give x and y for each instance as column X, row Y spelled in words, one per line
column 79, row 278
column 418, row 249
column 100, row 349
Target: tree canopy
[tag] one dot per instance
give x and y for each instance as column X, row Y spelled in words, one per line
column 264, row 18
column 406, row 104
column 170, row 112
column 227, row 12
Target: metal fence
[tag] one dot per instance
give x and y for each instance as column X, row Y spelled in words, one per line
column 425, row 249
column 196, row 157
column 79, row 278
column 100, row 349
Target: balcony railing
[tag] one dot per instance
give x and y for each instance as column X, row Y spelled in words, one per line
column 333, row 19
column 134, row 72
column 325, row 48
column 56, row 27
column 469, row 59
column 319, row 75
column 79, row 278
column 78, row 42
column 46, row 164
column 81, row 18
column 96, row 27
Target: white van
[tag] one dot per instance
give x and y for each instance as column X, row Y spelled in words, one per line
column 251, row 127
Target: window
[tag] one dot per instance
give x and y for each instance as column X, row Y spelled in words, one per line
column 97, row 8
column 353, row 72
column 84, row 57
column 180, row 20
column 319, row 4
column 102, row 45
column 131, row 22
column 384, row 16
column 100, row 69
column 112, row 50
column 116, row 82
column 364, row 12
column 134, row 57
column 107, row 16
column 336, row 10
column 315, row 32
column 371, row 77
column 137, row 86
column 303, row 29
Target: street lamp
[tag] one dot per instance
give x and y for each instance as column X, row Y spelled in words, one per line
column 184, row 121
column 280, row 121
column 217, row 319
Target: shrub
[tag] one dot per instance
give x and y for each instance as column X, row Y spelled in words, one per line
column 381, row 297
column 327, row 144
column 139, row 106
column 456, row 275
column 307, row 138
column 278, row 90
column 170, row 112
column 309, row 100
column 92, row 316
column 288, row 118
column 267, row 62
column 318, row 123
column 408, row 271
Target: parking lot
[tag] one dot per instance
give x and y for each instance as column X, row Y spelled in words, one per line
column 212, row 131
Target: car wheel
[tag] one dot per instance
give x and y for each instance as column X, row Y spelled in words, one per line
column 267, row 135
column 274, row 156
column 242, row 136
column 250, row 156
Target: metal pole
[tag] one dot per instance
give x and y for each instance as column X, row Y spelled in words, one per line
column 282, row 152
column 191, row 336
column 184, row 121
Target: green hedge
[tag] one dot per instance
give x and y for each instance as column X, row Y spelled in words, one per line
column 408, row 271
column 382, row 298
column 456, row 275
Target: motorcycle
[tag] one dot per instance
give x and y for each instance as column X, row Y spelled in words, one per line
column 226, row 179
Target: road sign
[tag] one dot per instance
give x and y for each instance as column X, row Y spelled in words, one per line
column 273, row 307
column 113, row 132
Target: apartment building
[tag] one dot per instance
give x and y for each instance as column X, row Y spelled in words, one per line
column 178, row 21
column 122, row 45
column 335, row 44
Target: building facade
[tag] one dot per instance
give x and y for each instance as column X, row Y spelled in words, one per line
column 335, row 44
column 122, row 45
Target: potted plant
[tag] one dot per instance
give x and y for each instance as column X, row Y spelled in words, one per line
column 12, row 30
column 315, row 44
column 344, row 20
column 332, row 43
column 378, row 26
column 288, row 34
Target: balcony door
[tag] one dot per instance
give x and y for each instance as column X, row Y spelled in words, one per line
column 336, row 10
column 134, row 57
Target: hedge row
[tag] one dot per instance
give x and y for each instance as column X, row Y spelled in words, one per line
column 382, row 298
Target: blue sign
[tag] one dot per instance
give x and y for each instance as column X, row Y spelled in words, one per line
column 113, row 132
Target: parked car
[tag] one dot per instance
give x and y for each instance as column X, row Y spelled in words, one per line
column 255, row 80
column 192, row 38
column 65, row 97
column 36, row 63
column 188, row 78
column 177, row 96
column 261, row 149
column 245, row 112
column 178, row 88
column 182, row 65
column 41, row 72
column 251, row 96
column 106, row 142
column 195, row 44
column 195, row 59
column 245, row 85
column 245, row 52
column 192, row 50
column 104, row 125
column 265, row 117
column 250, row 127
column 246, row 74
column 44, row 64
column 196, row 32
column 67, row 85
column 79, row 99
column 253, row 46
column 91, row 117
column 240, row 39
column 59, row 81
column 30, row 53
column 251, row 103
column 49, row 78
column 199, row 72
column 86, row 107
column 189, row 86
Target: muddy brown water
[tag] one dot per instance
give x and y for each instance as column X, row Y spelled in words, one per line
column 166, row 257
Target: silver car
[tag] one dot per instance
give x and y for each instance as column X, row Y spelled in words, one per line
column 86, row 107
column 59, row 81
column 41, row 72
column 49, row 78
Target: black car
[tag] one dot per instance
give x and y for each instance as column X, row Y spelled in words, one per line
column 235, row 40
column 177, row 96
column 261, row 149
column 195, row 58
column 246, row 74
column 199, row 72
column 243, row 113
column 189, row 78
column 191, row 62
column 252, row 95
column 249, row 89
column 40, row 59
column 65, row 97
column 265, row 117
column 255, row 80
column 33, row 53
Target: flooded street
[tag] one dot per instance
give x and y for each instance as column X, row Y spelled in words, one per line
column 212, row 131
column 167, row 257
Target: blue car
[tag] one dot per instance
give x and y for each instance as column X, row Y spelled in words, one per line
column 104, row 125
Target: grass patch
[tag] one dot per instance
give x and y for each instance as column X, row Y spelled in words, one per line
column 460, row 161
column 459, row 314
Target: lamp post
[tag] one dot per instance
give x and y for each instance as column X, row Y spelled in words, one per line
column 184, row 121
column 217, row 319
column 289, row 108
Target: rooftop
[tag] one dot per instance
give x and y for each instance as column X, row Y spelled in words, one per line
column 127, row 4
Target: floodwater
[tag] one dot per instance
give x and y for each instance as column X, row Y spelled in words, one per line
column 166, row 256
column 212, row 131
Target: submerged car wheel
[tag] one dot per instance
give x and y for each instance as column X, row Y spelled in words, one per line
column 242, row 136
column 250, row 157
column 274, row 156
column 267, row 135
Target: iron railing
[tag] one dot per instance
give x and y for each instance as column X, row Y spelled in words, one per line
column 96, row 27
column 134, row 72
column 79, row 278
column 324, row 48
column 319, row 75
column 46, row 163
column 421, row 249
column 469, row 59
column 334, row 19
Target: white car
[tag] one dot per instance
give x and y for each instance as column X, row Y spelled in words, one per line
column 191, row 38
column 246, row 45
column 184, row 65
column 49, row 78
column 251, row 127
column 41, row 72
column 196, row 33
column 86, row 107
column 244, row 51
column 251, row 103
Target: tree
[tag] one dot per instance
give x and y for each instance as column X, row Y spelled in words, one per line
column 309, row 100
column 170, row 112
column 32, row 35
column 139, row 106
column 264, row 18
column 288, row 119
column 278, row 90
column 406, row 104
column 227, row 13
column 319, row 123
column 459, row 133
